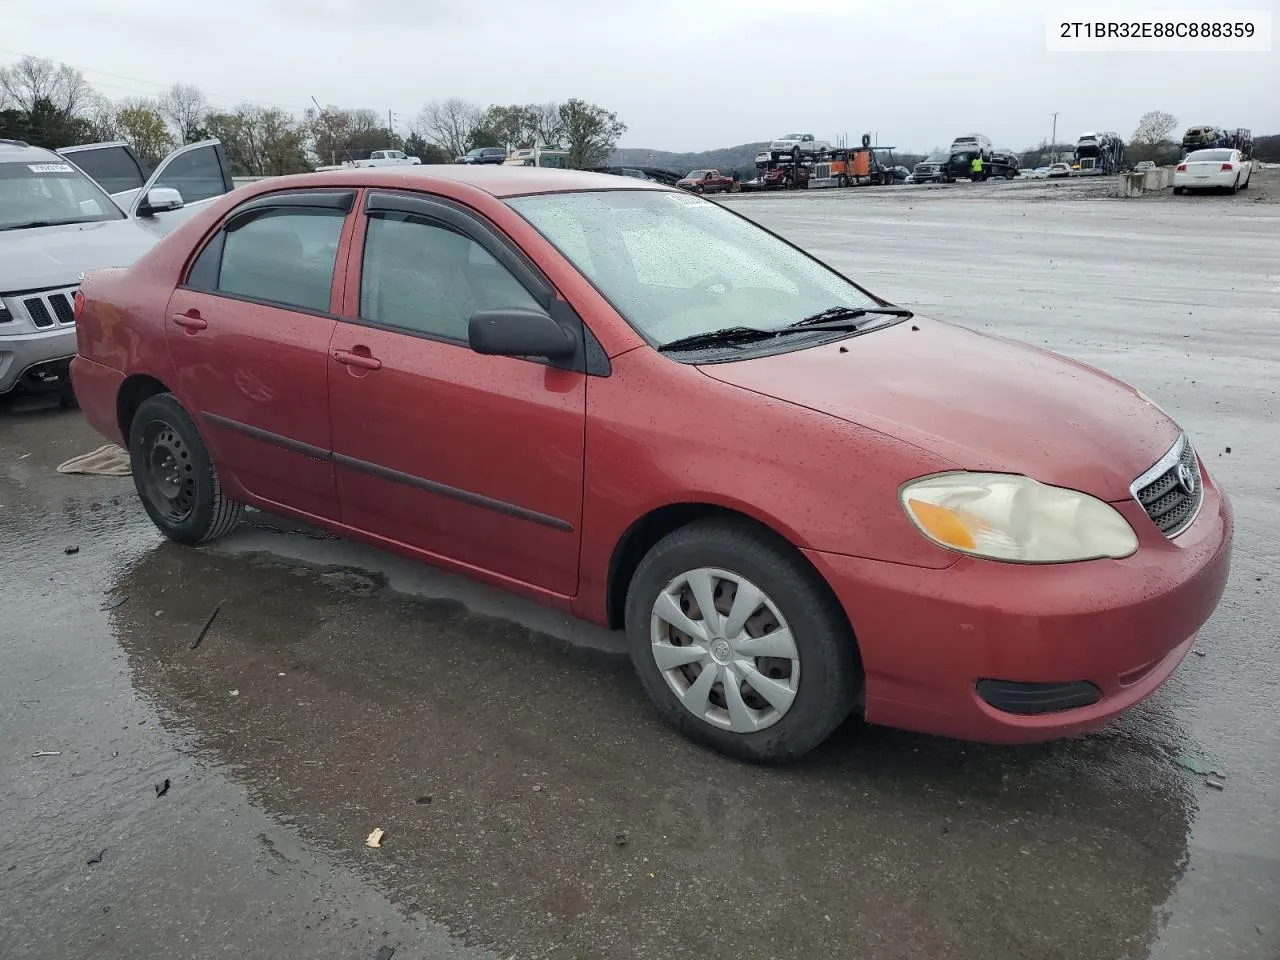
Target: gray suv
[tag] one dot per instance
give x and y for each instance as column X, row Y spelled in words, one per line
column 57, row 222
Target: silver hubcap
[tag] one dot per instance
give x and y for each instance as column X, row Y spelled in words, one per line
column 725, row 650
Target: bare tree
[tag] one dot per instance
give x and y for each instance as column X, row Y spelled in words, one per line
column 449, row 124
column 185, row 107
column 1154, row 128
column 545, row 122
column 32, row 80
column 101, row 116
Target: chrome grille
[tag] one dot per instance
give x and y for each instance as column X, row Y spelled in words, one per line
column 53, row 308
column 62, row 308
column 1172, row 490
column 38, row 312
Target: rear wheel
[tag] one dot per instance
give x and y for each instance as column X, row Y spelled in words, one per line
column 1178, row 190
column 739, row 644
column 174, row 476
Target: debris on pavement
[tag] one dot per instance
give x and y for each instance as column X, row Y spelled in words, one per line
column 1228, row 449
column 162, row 788
column 235, row 693
column 109, row 460
column 375, row 838
column 1194, row 764
column 114, row 602
column 205, row 629
column 424, row 799
column 97, row 857
column 47, row 753
column 1215, row 780
column 71, row 550
column 537, row 789
column 1198, row 653
column 620, row 839
column 385, row 953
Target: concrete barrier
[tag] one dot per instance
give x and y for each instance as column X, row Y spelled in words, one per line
column 1136, row 184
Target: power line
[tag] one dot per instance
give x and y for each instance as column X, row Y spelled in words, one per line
column 151, row 83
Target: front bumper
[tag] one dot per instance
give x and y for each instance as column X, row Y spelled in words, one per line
column 928, row 637
column 25, row 351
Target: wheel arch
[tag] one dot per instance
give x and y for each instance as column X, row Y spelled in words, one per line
column 648, row 529
column 135, row 389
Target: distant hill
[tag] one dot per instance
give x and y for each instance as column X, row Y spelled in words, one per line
column 727, row 159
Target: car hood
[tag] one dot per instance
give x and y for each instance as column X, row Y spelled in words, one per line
column 981, row 402
column 56, row 256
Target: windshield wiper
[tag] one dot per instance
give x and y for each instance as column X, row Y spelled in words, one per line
column 719, row 338
column 39, row 223
column 823, row 317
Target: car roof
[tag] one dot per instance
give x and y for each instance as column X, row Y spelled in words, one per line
column 17, row 151
column 497, row 181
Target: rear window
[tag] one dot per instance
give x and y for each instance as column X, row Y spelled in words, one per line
column 114, row 168
column 1208, row 156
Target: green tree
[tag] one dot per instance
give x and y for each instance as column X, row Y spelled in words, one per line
column 142, row 126
column 590, row 132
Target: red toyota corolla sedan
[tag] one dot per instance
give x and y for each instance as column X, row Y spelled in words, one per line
column 798, row 500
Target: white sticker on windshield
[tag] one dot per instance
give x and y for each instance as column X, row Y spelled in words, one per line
column 49, row 167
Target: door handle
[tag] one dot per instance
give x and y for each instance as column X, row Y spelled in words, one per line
column 362, row 361
column 189, row 321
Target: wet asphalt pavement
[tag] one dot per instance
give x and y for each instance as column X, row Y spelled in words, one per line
column 533, row 805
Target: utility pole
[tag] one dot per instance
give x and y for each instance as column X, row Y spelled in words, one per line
column 1053, row 140
column 324, row 117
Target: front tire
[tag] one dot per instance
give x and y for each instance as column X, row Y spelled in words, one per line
column 1178, row 191
column 771, row 672
column 174, row 475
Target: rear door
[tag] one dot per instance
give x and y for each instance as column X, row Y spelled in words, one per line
column 473, row 459
column 200, row 172
column 249, row 332
column 114, row 166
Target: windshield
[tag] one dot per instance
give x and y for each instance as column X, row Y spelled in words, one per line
column 793, row 136
column 44, row 193
column 557, row 161
column 676, row 265
column 1208, row 155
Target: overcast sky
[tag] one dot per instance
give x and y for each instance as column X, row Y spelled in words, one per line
column 682, row 74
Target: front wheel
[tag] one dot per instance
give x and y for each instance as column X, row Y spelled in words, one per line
column 1178, row 191
column 739, row 643
column 174, row 475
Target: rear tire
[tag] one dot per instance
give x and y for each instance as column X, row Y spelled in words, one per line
column 809, row 677
column 174, row 475
column 1178, row 191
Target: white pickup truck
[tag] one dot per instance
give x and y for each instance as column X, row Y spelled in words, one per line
column 796, row 145
column 383, row 158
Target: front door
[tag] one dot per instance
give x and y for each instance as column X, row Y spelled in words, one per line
column 474, row 459
column 249, row 332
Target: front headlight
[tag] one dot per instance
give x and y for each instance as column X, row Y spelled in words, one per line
column 1013, row 518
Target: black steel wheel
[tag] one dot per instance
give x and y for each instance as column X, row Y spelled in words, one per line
column 174, row 476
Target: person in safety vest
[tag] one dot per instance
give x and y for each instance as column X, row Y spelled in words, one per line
column 976, row 167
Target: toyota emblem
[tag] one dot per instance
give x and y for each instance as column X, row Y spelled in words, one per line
column 1186, row 479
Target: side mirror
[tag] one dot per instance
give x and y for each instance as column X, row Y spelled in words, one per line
column 159, row 200
column 519, row 333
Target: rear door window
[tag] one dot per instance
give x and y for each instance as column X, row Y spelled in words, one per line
column 282, row 256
